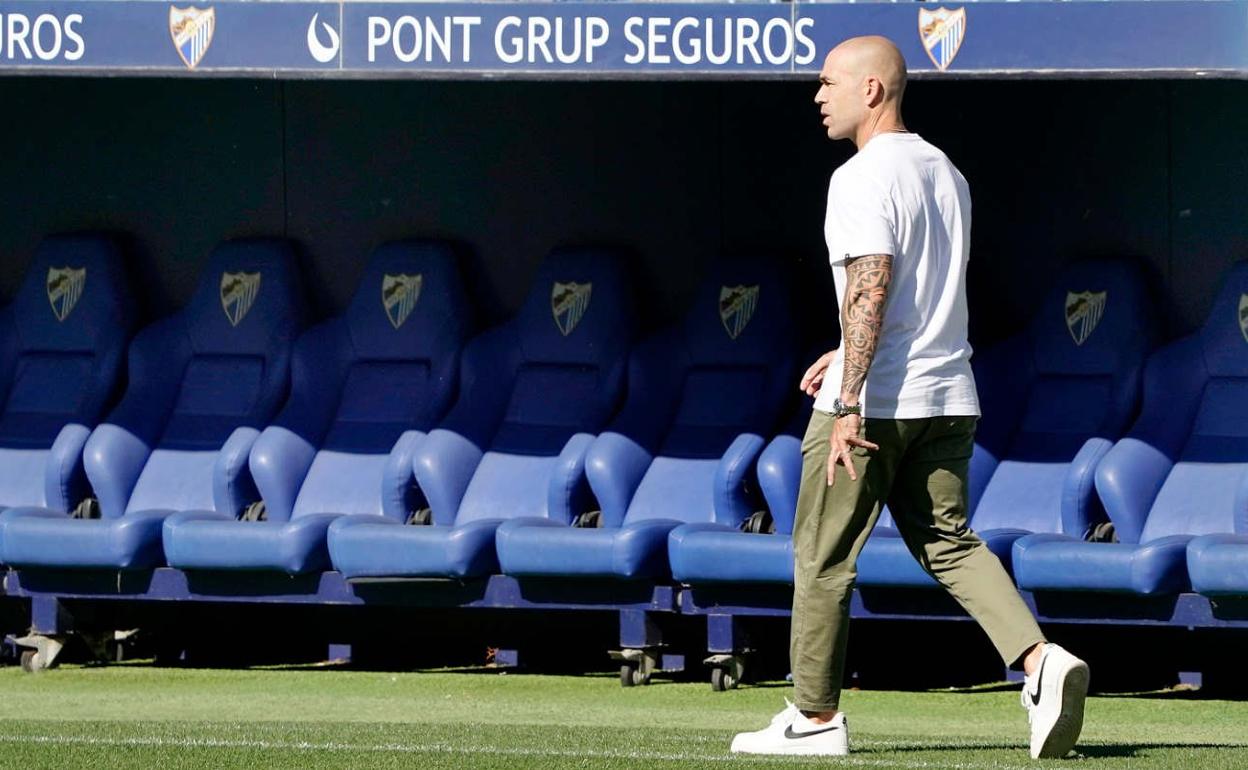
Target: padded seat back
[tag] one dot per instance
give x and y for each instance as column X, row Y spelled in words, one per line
column 389, row 365
column 222, row 362
column 555, row 370
column 780, row 470
column 1073, row 375
column 62, row 344
column 726, row 370
column 1206, row 491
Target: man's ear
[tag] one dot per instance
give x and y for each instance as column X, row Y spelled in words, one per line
column 873, row 90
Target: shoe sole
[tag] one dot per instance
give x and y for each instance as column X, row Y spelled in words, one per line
column 801, row 751
column 1069, row 723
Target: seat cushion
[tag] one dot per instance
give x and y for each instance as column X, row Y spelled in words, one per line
column 374, row 546
column 715, row 553
column 209, row 541
column 1218, row 565
column 526, row 547
column 22, row 474
column 886, row 561
column 1059, row 563
column 39, row 537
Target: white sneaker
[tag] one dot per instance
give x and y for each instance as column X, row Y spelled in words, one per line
column 792, row 733
column 1053, row 697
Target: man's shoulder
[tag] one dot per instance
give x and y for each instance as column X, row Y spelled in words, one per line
column 925, row 150
column 892, row 165
column 855, row 176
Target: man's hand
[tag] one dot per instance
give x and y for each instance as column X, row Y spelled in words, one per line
column 812, row 380
column 845, row 436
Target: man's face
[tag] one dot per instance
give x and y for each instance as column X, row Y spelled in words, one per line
column 839, row 99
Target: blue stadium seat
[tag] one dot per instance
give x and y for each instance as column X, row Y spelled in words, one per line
column 534, row 391
column 1054, row 399
column 780, row 478
column 717, row 553
column 364, row 389
column 701, row 397
column 62, row 345
column 201, row 384
column 1218, row 564
column 1180, row 472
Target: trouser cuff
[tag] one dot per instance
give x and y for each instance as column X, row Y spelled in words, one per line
column 805, row 705
column 1015, row 662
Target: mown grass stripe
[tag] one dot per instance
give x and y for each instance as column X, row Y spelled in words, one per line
column 442, row 748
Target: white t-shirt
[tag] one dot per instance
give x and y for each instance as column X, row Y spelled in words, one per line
column 901, row 196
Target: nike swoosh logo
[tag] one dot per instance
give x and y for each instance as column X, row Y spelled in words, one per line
column 788, row 732
column 1035, row 696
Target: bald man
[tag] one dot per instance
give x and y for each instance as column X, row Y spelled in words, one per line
column 895, row 414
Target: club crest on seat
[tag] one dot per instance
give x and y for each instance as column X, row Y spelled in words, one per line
column 399, row 294
column 65, row 285
column 736, row 307
column 568, row 302
column 1084, row 310
column 238, row 294
column 1243, row 315
column 191, row 30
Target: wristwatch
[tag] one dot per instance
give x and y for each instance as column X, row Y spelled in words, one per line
column 841, row 410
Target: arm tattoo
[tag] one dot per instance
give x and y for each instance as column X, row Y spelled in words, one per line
column 862, row 314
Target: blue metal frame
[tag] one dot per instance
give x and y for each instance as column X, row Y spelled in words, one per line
column 644, row 609
column 330, row 588
column 1186, row 610
column 725, row 606
column 639, row 604
column 505, row 592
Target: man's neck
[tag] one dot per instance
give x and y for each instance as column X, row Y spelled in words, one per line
column 882, row 123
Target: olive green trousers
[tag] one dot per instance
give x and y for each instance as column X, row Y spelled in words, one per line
column 920, row 471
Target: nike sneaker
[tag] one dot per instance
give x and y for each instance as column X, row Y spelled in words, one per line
column 792, row 733
column 1053, row 697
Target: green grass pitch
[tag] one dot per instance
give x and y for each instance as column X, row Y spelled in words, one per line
column 141, row 716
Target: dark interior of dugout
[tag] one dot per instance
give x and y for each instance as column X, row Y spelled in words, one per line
column 676, row 173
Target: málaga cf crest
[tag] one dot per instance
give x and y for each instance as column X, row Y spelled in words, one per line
column 1243, row 315
column 1083, row 312
column 568, row 301
column 238, row 294
column 399, row 294
column 736, row 307
column 191, row 30
column 942, row 32
column 65, row 286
